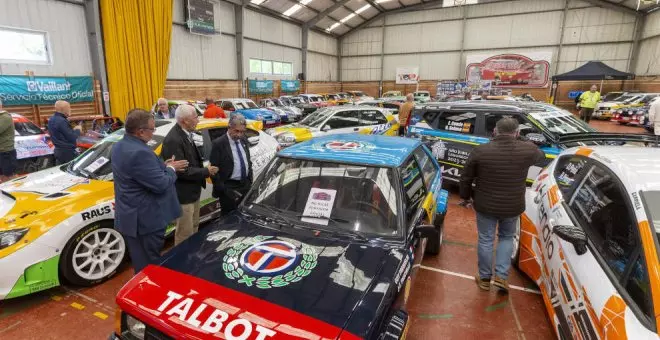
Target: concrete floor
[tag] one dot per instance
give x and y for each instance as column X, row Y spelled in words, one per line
column 445, row 302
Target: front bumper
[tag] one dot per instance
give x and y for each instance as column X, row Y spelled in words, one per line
column 28, row 270
column 604, row 114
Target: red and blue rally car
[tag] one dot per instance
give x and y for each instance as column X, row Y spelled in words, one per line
column 322, row 247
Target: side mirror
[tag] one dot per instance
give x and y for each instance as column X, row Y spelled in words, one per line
column 426, row 231
column 326, row 128
column 537, row 138
column 253, row 140
column 574, row 235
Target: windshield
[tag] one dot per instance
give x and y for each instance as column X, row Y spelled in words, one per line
column 422, row 94
column 95, row 162
column 651, row 201
column 560, row 122
column 317, row 117
column 623, row 97
column 358, row 93
column 296, row 100
column 343, row 197
column 312, row 99
column 285, row 102
column 26, row 128
column 332, row 96
column 632, row 99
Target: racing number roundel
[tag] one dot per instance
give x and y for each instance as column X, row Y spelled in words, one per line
column 264, row 262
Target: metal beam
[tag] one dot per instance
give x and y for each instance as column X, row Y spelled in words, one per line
column 460, row 55
column 329, row 16
column 274, row 14
column 313, row 21
column 634, row 51
column 305, row 41
column 615, row 7
column 97, row 53
column 339, row 42
column 238, row 25
column 561, row 35
column 376, row 6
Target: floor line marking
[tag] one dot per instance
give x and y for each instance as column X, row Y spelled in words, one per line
column 90, row 299
column 100, row 315
column 470, row 277
column 10, row 326
column 515, row 317
column 77, row 306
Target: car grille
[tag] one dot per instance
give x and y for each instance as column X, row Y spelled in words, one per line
column 153, row 334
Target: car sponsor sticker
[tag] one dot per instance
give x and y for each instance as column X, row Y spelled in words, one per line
column 97, row 164
column 319, row 203
column 95, row 213
column 266, row 262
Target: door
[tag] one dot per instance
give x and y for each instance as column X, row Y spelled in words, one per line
column 342, row 122
column 451, row 136
column 605, row 290
column 373, row 122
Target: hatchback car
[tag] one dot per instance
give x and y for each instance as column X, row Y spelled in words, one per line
column 250, row 110
column 324, row 246
column 299, row 103
column 287, row 112
column 452, row 130
column 34, row 148
column 57, row 224
column 335, row 120
column 314, row 99
column 589, row 239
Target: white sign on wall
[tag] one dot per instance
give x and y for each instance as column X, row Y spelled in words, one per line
column 407, row 75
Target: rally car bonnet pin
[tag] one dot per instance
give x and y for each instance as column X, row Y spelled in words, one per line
column 266, row 262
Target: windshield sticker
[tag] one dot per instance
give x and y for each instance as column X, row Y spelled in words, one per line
column 458, row 126
column 265, row 262
column 550, row 114
column 319, row 204
column 97, row 164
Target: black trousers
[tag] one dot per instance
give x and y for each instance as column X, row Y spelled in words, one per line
column 585, row 114
column 63, row 156
column 145, row 249
column 232, row 195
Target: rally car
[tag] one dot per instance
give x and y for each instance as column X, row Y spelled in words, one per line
column 589, row 239
column 34, row 148
column 324, row 246
column 422, row 96
column 358, row 95
column 199, row 106
column 337, row 119
column 613, row 110
column 630, row 114
column 299, row 103
column 453, row 129
column 388, row 106
column 334, row 99
column 314, row 99
column 249, row 110
column 57, row 224
column 287, row 112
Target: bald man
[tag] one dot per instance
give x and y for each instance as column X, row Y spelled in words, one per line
column 63, row 136
column 163, row 110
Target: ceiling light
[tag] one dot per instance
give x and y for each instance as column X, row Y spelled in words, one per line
column 292, row 10
column 363, row 8
column 305, row 2
column 257, row 2
column 347, row 18
column 332, row 27
column 381, row 1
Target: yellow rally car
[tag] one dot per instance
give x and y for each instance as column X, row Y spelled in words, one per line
column 335, row 120
column 334, row 99
column 58, row 223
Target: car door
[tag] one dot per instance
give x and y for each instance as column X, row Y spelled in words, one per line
column 451, row 136
column 342, row 122
column 603, row 291
column 374, row 122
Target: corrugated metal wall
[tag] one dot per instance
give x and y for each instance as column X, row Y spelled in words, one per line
column 649, row 49
column 321, row 66
column 200, row 57
column 434, row 38
column 67, row 31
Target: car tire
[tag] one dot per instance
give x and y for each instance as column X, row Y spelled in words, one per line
column 433, row 243
column 97, row 246
column 515, row 255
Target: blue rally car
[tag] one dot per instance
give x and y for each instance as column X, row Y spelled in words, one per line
column 324, row 246
column 250, row 110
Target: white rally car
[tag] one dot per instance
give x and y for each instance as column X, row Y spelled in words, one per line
column 589, row 239
column 58, row 223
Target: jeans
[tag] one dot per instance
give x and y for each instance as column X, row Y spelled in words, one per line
column 507, row 230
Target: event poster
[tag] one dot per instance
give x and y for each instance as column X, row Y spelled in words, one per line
column 450, row 87
column 27, row 90
column 260, row 86
column 289, row 86
column 510, row 70
column 407, row 75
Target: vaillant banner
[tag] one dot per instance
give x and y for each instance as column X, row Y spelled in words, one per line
column 260, row 86
column 25, row 90
column 289, row 85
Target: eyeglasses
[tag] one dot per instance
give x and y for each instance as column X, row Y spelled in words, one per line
column 146, row 128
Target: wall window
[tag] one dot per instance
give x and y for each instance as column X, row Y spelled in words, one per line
column 271, row 67
column 24, row 46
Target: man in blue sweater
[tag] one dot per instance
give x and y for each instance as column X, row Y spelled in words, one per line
column 63, row 136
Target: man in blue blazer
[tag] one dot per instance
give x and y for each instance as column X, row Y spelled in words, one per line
column 145, row 197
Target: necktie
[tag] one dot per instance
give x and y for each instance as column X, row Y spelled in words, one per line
column 240, row 158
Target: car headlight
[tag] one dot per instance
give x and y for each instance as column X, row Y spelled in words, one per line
column 260, row 117
column 135, row 327
column 286, row 139
column 270, row 131
column 10, row 237
column 619, row 111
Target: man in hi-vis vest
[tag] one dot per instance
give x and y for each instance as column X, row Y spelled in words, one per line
column 588, row 101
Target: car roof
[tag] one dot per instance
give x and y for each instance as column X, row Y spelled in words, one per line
column 491, row 106
column 375, row 150
column 233, row 99
column 637, row 166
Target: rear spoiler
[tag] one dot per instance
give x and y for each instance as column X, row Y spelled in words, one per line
column 607, row 137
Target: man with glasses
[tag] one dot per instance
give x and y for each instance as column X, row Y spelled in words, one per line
column 180, row 143
column 231, row 154
column 145, row 197
column 163, row 109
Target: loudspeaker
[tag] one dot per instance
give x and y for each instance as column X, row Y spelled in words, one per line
column 301, row 76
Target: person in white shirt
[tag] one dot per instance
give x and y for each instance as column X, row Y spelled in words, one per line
column 654, row 115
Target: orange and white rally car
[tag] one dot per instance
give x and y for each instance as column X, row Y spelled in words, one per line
column 589, row 239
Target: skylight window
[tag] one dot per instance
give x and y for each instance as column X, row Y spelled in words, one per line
column 257, row 2
column 292, row 10
column 335, row 25
column 363, row 8
column 305, row 2
column 347, row 18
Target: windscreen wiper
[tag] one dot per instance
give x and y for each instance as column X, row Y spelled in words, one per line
column 333, row 219
column 282, row 220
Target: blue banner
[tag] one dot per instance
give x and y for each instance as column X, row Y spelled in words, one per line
column 574, row 94
column 260, row 86
column 289, row 85
column 24, row 90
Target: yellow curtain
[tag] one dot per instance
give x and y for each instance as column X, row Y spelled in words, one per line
column 136, row 35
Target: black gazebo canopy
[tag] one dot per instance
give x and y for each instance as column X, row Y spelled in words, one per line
column 594, row 70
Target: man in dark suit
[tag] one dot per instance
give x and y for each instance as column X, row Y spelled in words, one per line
column 179, row 143
column 145, row 199
column 231, row 154
column 63, row 136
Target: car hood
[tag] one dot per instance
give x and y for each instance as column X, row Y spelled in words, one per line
column 265, row 113
column 42, row 200
column 314, row 283
column 301, row 132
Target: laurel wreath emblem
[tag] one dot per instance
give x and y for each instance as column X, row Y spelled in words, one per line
column 233, row 270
